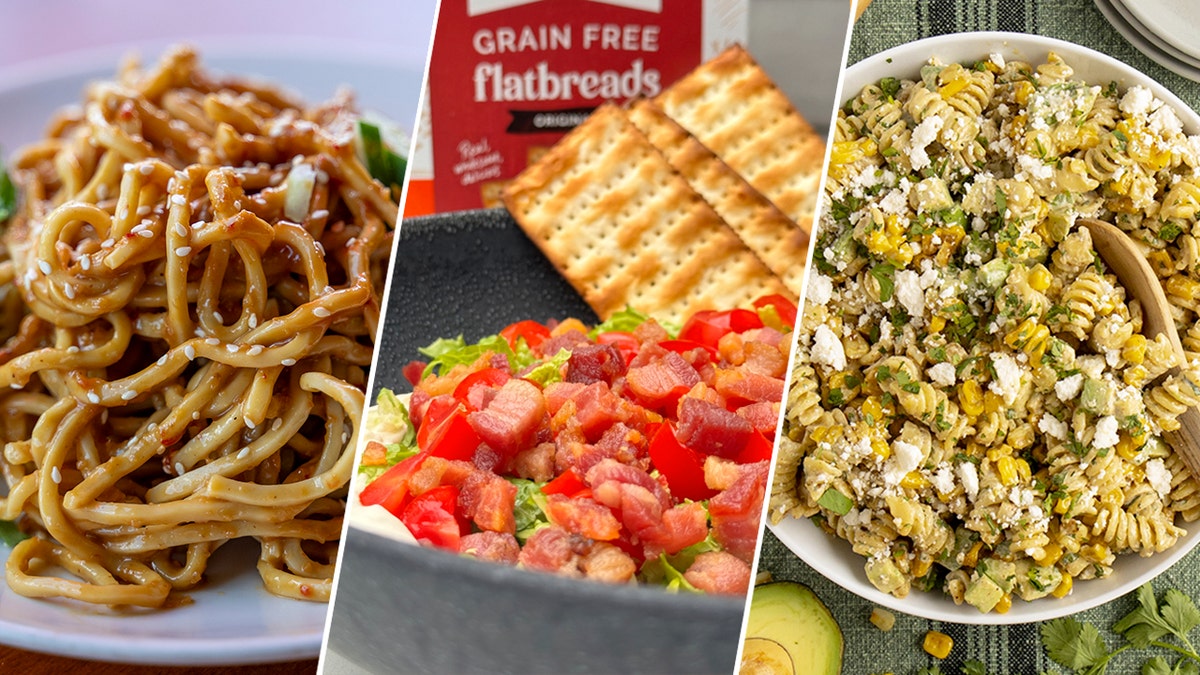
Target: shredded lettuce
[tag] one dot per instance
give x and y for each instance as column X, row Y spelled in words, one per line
column 624, row 321
column 445, row 353
column 8, row 195
column 10, row 534
column 388, row 423
column 527, row 509
column 550, row 370
column 667, row 570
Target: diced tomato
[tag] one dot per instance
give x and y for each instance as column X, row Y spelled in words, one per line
column 757, row 449
column 413, row 370
column 430, row 518
column 484, row 377
column 532, row 332
column 390, row 489
column 786, row 309
column 625, row 343
column 569, row 483
column 447, row 431
column 708, row 326
column 682, row 347
column 681, row 466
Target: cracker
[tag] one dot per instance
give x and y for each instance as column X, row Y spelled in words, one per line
column 734, row 108
column 776, row 239
column 607, row 209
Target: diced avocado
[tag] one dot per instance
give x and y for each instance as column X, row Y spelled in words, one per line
column 1036, row 581
column 761, row 656
column 884, row 574
column 1096, row 396
column 952, row 557
column 1002, row 572
column 983, row 593
column 792, row 616
column 994, row 273
column 844, row 250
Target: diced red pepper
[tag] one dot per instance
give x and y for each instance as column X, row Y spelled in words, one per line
column 681, row 466
column 569, row 483
column 684, row 346
column 786, row 309
column 431, row 518
column 484, row 377
column 626, row 343
column 708, row 326
column 532, row 332
column 390, row 490
column 757, row 449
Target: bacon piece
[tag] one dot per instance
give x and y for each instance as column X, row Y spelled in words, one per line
column 763, row 416
column 437, row 471
column 536, row 463
column 609, row 564
column 637, row 507
column 488, row 500
column 735, row 511
column 595, row 363
column 659, row 383
column 375, row 454
column 719, row 572
column 738, row 385
column 583, row 517
column 494, row 546
column 553, row 549
column 711, row 429
column 596, row 408
column 610, row 470
column 512, row 417
column 682, row 525
column 650, row 331
column 765, row 359
column 568, row 340
column 558, row 393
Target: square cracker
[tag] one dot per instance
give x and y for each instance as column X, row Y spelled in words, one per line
column 776, row 239
column 734, row 108
column 607, row 209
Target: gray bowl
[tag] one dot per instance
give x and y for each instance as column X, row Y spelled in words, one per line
column 402, row 608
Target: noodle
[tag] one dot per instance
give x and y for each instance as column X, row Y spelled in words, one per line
column 185, row 342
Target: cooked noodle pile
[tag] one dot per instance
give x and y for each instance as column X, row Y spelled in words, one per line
column 191, row 291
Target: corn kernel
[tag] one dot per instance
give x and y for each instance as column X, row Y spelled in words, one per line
column 1004, row 604
column 913, row 480
column 1062, row 506
column 992, row 402
column 921, row 567
column 1051, row 553
column 1023, row 470
column 937, row 323
column 1095, row 551
column 872, row 408
column 938, row 644
column 1064, row 587
column 883, row 619
column 970, row 397
column 1134, row 350
column 1182, row 287
column 971, row 557
column 1126, row 447
column 881, row 448
column 1040, row 278
column 1021, row 92
column 1007, row 468
column 1113, row 497
column 1161, row 262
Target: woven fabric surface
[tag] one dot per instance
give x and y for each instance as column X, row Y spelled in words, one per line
column 1013, row 649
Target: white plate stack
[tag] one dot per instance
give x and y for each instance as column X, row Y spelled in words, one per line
column 1167, row 31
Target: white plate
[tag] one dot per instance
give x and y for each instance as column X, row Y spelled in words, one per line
column 833, row 557
column 1176, row 22
column 232, row 620
column 1141, row 38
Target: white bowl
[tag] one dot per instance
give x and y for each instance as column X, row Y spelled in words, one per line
column 831, row 556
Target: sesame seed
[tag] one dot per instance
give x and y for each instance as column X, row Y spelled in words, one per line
column 183, row 251
column 255, row 350
column 44, row 266
column 146, row 169
column 351, row 242
column 55, row 475
column 129, row 395
column 162, row 360
column 126, row 166
column 276, row 424
column 138, row 228
column 189, row 352
column 232, row 349
column 219, row 317
column 145, row 234
column 198, row 224
column 86, row 263
column 320, row 213
column 195, row 414
column 181, row 230
column 69, row 291
column 73, row 349
column 124, row 214
column 321, row 312
column 14, row 385
column 253, row 321
column 237, row 204
column 143, row 209
column 243, row 452
column 178, row 468
column 93, row 397
column 107, row 243
column 212, row 341
column 250, row 423
column 288, row 362
column 322, row 176
column 178, row 200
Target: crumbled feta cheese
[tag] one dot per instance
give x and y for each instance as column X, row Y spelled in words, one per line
column 909, row 293
column 925, row 133
column 1106, row 433
column 1007, row 384
column 1068, row 388
column 905, row 458
column 969, row 478
column 997, row 59
column 820, row 289
column 943, row 374
column 827, row 349
column 1136, row 101
column 1159, row 476
column 1049, row 424
column 943, row 479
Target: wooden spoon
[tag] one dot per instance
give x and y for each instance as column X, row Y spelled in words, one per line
column 1126, row 261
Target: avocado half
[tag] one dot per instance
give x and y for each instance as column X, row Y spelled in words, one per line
column 790, row 632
